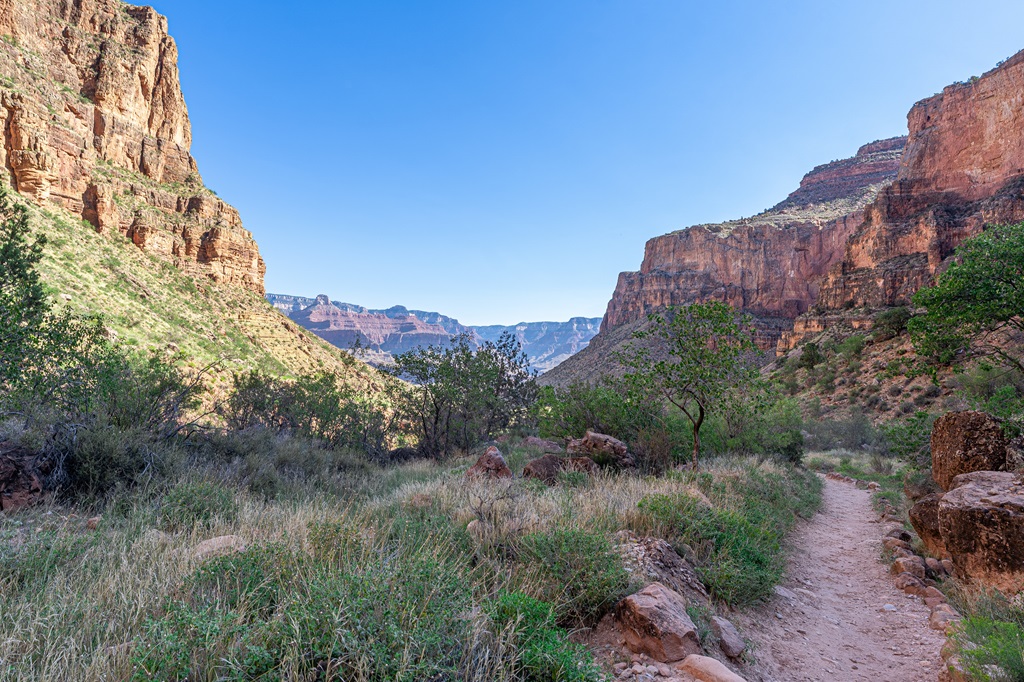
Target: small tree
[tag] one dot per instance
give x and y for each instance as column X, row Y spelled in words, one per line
column 696, row 357
column 976, row 309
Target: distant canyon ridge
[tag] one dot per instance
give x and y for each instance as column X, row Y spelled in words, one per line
column 385, row 333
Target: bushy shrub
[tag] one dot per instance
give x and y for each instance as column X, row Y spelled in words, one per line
column 202, row 502
column 811, row 356
column 910, row 439
column 891, row 323
column 541, row 651
column 580, row 572
column 606, row 407
column 852, row 431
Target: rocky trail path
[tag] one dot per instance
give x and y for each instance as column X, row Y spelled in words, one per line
column 837, row 615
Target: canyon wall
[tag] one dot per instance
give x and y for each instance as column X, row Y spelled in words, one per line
column 962, row 169
column 94, row 121
column 769, row 265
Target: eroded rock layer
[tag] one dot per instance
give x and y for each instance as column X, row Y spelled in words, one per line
column 769, row 265
column 962, row 170
column 94, row 120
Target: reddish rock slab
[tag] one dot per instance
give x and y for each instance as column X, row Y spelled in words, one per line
column 654, row 622
column 963, row 442
column 491, row 465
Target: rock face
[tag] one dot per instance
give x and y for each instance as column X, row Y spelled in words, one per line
column 962, row 169
column 95, row 121
column 924, row 516
column 768, row 265
column 387, row 331
column 654, row 622
column 963, row 442
column 982, row 524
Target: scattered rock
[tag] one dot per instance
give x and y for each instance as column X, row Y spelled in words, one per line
column 895, row 543
column 982, row 524
column 491, row 465
column 913, row 565
column 604, row 450
column 910, row 584
column 654, row 622
column 942, row 617
column 707, row 669
column 545, row 446
column 218, row 546
column 934, row 568
column 548, row 467
column 728, row 636
column 963, row 442
column 93, row 523
column 21, row 476
column 924, row 517
column 899, row 534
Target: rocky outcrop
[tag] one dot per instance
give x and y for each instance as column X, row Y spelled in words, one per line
column 962, row 169
column 548, row 467
column 982, row 524
column 94, row 121
column 769, row 265
column 963, row 442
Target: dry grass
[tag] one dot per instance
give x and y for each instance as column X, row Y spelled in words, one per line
column 74, row 603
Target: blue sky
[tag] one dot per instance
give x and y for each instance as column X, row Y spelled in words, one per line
column 504, row 161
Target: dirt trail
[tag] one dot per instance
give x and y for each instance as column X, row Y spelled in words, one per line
column 828, row 621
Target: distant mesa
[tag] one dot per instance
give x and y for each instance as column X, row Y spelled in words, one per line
column 385, row 333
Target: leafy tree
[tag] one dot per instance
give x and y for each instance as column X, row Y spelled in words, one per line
column 811, row 356
column 22, row 298
column 976, row 309
column 697, row 357
column 460, row 396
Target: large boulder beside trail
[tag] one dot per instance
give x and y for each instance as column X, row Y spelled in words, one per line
column 963, row 442
column 603, row 449
column 491, row 465
column 548, row 467
column 924, row 517
column 982, row 525
column 654, row 622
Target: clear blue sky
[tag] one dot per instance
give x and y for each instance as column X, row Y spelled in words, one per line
column 501, row 161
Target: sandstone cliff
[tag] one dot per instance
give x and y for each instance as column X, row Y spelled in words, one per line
column 963, row 168
column 95, row 122
column 768, row 265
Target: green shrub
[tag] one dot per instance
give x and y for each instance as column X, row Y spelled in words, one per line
column 891, row 323
column 542, row 652
column 910, row 439
column 605, row 408
column 188, row 504
column 986, row 644
column 811, row 356
column 581, row 572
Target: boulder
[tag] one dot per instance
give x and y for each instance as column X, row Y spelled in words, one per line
column 982, row 526
column 728, row 636
column 654, row 622
column 21, row 478
column 924, row 517
column 218, row 546
column 653, row 559
column 491, row 465
column 963, row 442
column 942, row 616
column 913, row 565
column 545, row 446
column 911, row 584
column 548, row 467
column 603, row 449
column 707, row 669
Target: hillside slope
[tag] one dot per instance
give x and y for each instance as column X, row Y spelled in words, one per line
column 97, row 143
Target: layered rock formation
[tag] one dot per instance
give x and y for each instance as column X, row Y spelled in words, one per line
column 398, row 329
column 768, row 265
column 94, row 121
column 344, row 328
column 962, row 169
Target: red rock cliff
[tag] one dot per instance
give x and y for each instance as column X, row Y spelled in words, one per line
column 94, row 120
column 962, row 169
column 769, row 265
